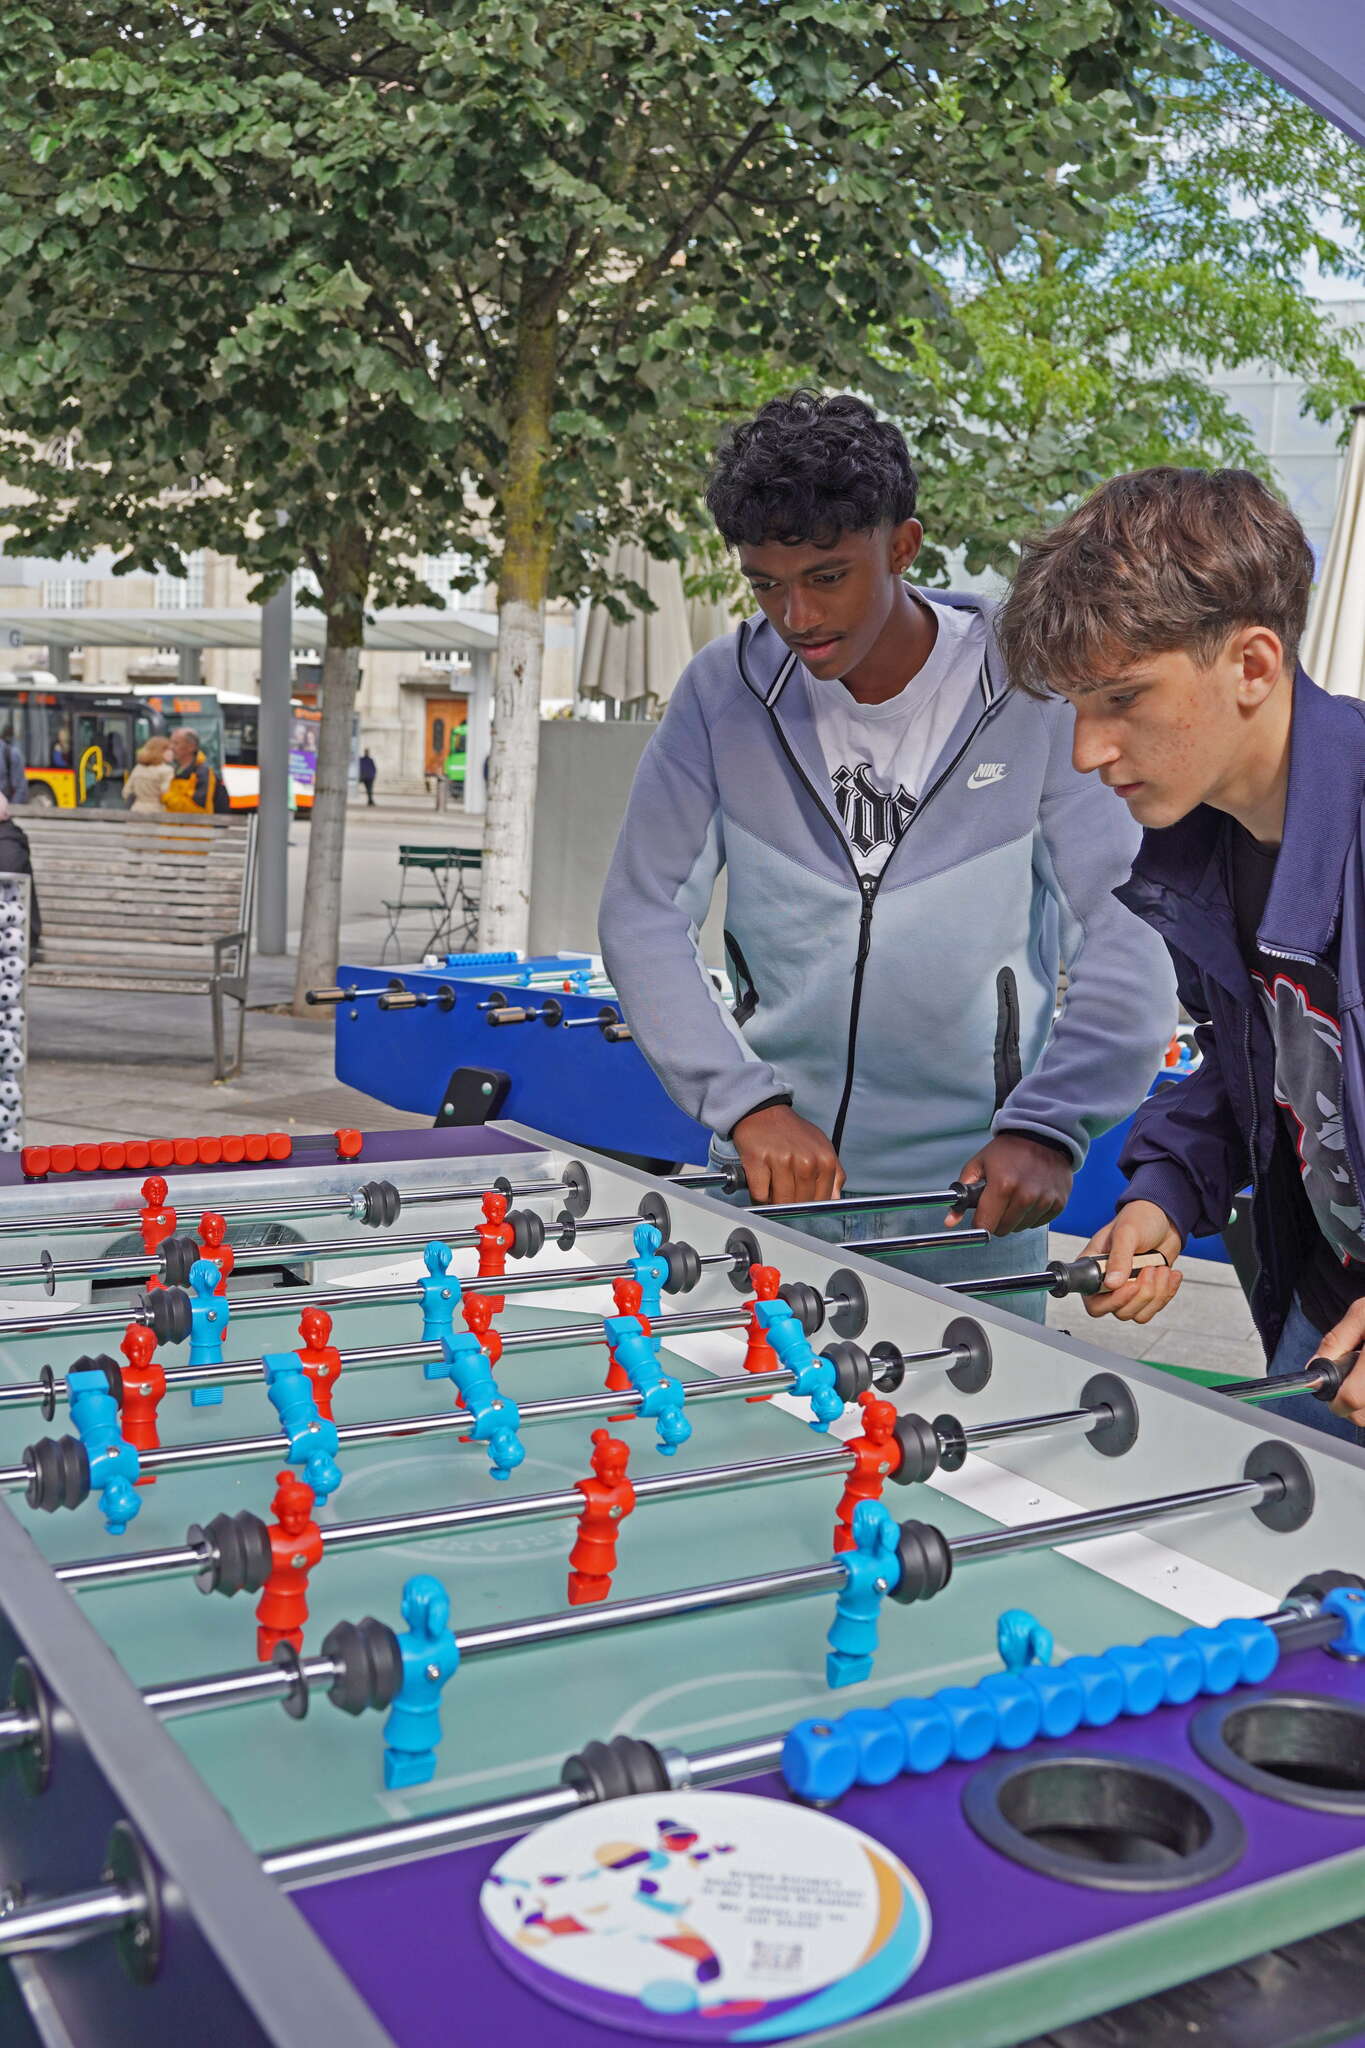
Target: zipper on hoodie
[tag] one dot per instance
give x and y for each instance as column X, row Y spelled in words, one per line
column 868, row 886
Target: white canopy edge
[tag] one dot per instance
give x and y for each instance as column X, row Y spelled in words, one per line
column 401, row 632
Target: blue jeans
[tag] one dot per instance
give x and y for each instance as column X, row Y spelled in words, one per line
column 1299, row 1341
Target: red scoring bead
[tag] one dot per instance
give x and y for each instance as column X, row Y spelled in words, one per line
column 234, row 1151
column 88, row 1158
column 186, row 1152
column 139, row 1155
column 35, row 1161
column 256, row 1147
column 350, row 1144
column 161, row 1152
column 63, row 1158
column 113, row 1158
column 279, row 1144
column 210, row 1151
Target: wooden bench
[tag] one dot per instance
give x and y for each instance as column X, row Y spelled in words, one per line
column 156, row 904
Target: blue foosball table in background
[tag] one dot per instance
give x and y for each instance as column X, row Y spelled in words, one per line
column 1037, row 1678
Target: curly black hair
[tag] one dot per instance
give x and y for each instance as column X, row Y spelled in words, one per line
column 806, row 469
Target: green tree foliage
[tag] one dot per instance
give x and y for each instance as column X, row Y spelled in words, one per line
column 373, row 264
column 1089, row 358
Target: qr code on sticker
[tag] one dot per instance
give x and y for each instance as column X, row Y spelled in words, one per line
column 775, row 1958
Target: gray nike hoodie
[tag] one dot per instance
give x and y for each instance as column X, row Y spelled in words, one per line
column 908, row 1014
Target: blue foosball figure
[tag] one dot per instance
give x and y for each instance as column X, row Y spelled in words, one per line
column 1022, row 1639
column 440, row 1292
column 114, row 1464
column 663, row 1395
column 313, row 1441
column 431, row 1657
column 873, row 1569
column 497, row 1419
column 813, row 1376
column 210, row 1314
column 649, row 1268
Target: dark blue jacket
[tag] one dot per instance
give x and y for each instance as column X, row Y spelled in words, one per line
column 1195, row 1144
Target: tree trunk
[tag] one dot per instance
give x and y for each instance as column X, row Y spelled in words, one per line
column 345, row 584
column 523, row 582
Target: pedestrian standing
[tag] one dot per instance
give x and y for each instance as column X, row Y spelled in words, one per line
column 368, row 771
column 13, row 771
column 148, row 781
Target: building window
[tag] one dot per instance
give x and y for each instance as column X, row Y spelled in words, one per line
column 181, row 593
column 64, row 593
column 440, row 572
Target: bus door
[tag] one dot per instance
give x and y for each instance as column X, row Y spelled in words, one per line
column 103, row 750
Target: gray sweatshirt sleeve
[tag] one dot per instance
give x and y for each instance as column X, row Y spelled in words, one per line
column 1120, row 1007
column 657, row 893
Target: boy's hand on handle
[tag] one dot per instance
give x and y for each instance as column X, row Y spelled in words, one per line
column 1027, row 1184
column 1135, row 1297
column 1340, row 1342
column 785, row 1159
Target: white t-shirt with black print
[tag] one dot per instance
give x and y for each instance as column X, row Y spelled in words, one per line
column 879, row 756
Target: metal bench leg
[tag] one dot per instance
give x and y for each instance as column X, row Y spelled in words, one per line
column 216, row 1008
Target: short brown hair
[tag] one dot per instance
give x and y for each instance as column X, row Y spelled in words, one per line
column 1156, row 560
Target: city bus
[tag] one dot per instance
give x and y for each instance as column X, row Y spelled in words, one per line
column 79, row 741
column 241, row 755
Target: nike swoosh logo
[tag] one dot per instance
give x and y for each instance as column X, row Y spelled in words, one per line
column 985, row 773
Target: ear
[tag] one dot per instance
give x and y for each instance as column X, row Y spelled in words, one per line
column 1259, row 657
column 906, row 539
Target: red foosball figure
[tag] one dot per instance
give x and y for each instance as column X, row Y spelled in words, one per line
column 627, row 1293
column 320, row 1359
column 295, row 1547
column 213, row 1245
column 760, row 1356
column 478, row 1317
column 496, row 1237
column 608, row 1498
column 876, row 1455
column 156, row 1220
column 144, row 1388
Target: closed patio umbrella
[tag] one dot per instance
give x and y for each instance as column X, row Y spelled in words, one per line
column 1334, row 645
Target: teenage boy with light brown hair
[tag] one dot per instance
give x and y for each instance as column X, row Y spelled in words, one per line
column 1168, row 610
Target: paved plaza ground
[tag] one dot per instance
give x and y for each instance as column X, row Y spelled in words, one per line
column 105, row 1065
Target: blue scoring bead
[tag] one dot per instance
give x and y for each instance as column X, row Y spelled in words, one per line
column 820, row 1760
column 1103, row 1691
column 1350, row 1605
column 926, row 1732
column 1258, row 1647
column 879, row 1742
column 1018, row 1712
column 973, row 1721
column 1182, row 1667
column 1142, row 1675
column 1061, row 1697
column 1220, row 1659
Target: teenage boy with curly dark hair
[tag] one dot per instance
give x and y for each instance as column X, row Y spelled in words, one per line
column 1168, row 609
column 909, row 858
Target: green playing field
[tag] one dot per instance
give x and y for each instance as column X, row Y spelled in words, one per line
column 511, row 1717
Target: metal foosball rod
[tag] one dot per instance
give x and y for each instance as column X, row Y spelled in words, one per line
column 571, row 1185
column 173, row 1259
column 45, row 1393
column 929, row 1560
column 883, row 1369
column 957, row 1195
column 275, row 1300
column 924, row 1447
column 1321, row 1377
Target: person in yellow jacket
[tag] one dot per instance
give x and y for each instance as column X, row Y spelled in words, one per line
column 194, row 786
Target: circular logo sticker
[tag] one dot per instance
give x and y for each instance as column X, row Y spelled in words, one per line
column 709, row 1916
